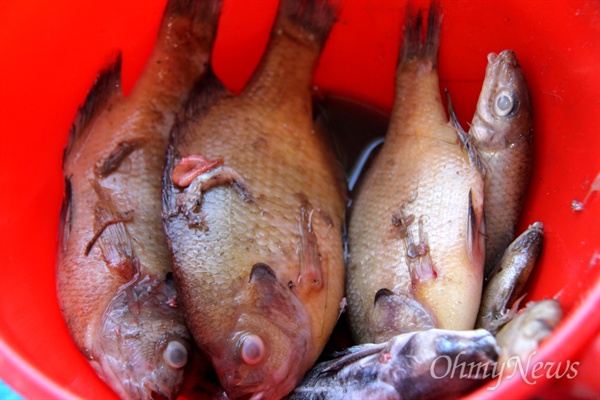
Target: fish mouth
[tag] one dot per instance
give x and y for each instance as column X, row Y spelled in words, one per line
column 506, row 57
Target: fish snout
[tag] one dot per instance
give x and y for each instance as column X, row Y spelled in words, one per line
column 507, row 58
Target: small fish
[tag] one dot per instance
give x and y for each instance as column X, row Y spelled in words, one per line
column 502, row 134
column 416, row 232
column 416, row 365
column 253, row 206
column 501, row 295
column 114, row 280
column 522, row 336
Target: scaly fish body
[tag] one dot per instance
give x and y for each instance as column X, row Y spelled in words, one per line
column 502, row 132
column 416, row 245
column 253, row 209
column 500, row 296
column 415, row 365
column 114, row 279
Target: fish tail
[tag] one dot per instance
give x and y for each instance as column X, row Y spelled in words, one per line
column 107, row 85
column 316, row 17
column 418, row 42
column 206, row 12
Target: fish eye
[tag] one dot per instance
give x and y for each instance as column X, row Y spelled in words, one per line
column 175, row 354
column 252, row 349
column 503, row 103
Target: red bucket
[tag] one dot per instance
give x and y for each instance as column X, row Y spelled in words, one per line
column 50, row 53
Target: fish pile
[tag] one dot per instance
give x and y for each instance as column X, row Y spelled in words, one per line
column 198, row 221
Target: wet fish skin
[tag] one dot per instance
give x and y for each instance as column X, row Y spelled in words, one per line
column 501, row 295
column 523, row 334
column 253, row 205
column 502, row 132
column 114, row 279
column 416, row 243
column 409, row 366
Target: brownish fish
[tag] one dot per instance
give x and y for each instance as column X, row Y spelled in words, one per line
column 114, row 279
column 499, row 302
column 253, row 208
column 416, row 234
column 502, row 133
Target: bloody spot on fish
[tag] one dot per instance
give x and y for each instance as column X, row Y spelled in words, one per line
column 384, row 358
column 188, row 168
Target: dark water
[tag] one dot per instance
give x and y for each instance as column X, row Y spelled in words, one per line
column 356, row 129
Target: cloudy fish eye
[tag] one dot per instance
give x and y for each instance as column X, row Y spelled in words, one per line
column 252, row 349
column 503, row 103
column 175, row 354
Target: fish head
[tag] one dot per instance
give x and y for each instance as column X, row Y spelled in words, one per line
column 442, row 361
column 268, row 351
column 504, row 115
column 144, row 344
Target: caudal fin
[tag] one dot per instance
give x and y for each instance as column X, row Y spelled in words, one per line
column 422, row 42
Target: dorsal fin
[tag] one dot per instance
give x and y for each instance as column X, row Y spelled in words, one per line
column 107, row 84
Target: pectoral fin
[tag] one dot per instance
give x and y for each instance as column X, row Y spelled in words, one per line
column 111, row 234
column 393, row 314
column 474, row 157
column 475, row 232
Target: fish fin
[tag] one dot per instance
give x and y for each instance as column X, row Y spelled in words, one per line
column 66, row 216
column 393, row 314
column 349, row 356
column 310, row 276
column 420, row 265
column 111, row 233
column 111, row 163
column 418, row 44
column 466, row 140
column 205, row 11
column 107, row 85
column 168, row 192
column 475, row 232
column 314, row 17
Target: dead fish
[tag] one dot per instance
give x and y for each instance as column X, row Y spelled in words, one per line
column 253, row 205
column 500, row 299
column 416, row 230
column 522, row 336
column 502, row 134
column 114, row 280
column 432, row 364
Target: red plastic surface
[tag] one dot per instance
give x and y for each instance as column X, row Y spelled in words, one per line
column 50, row 53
